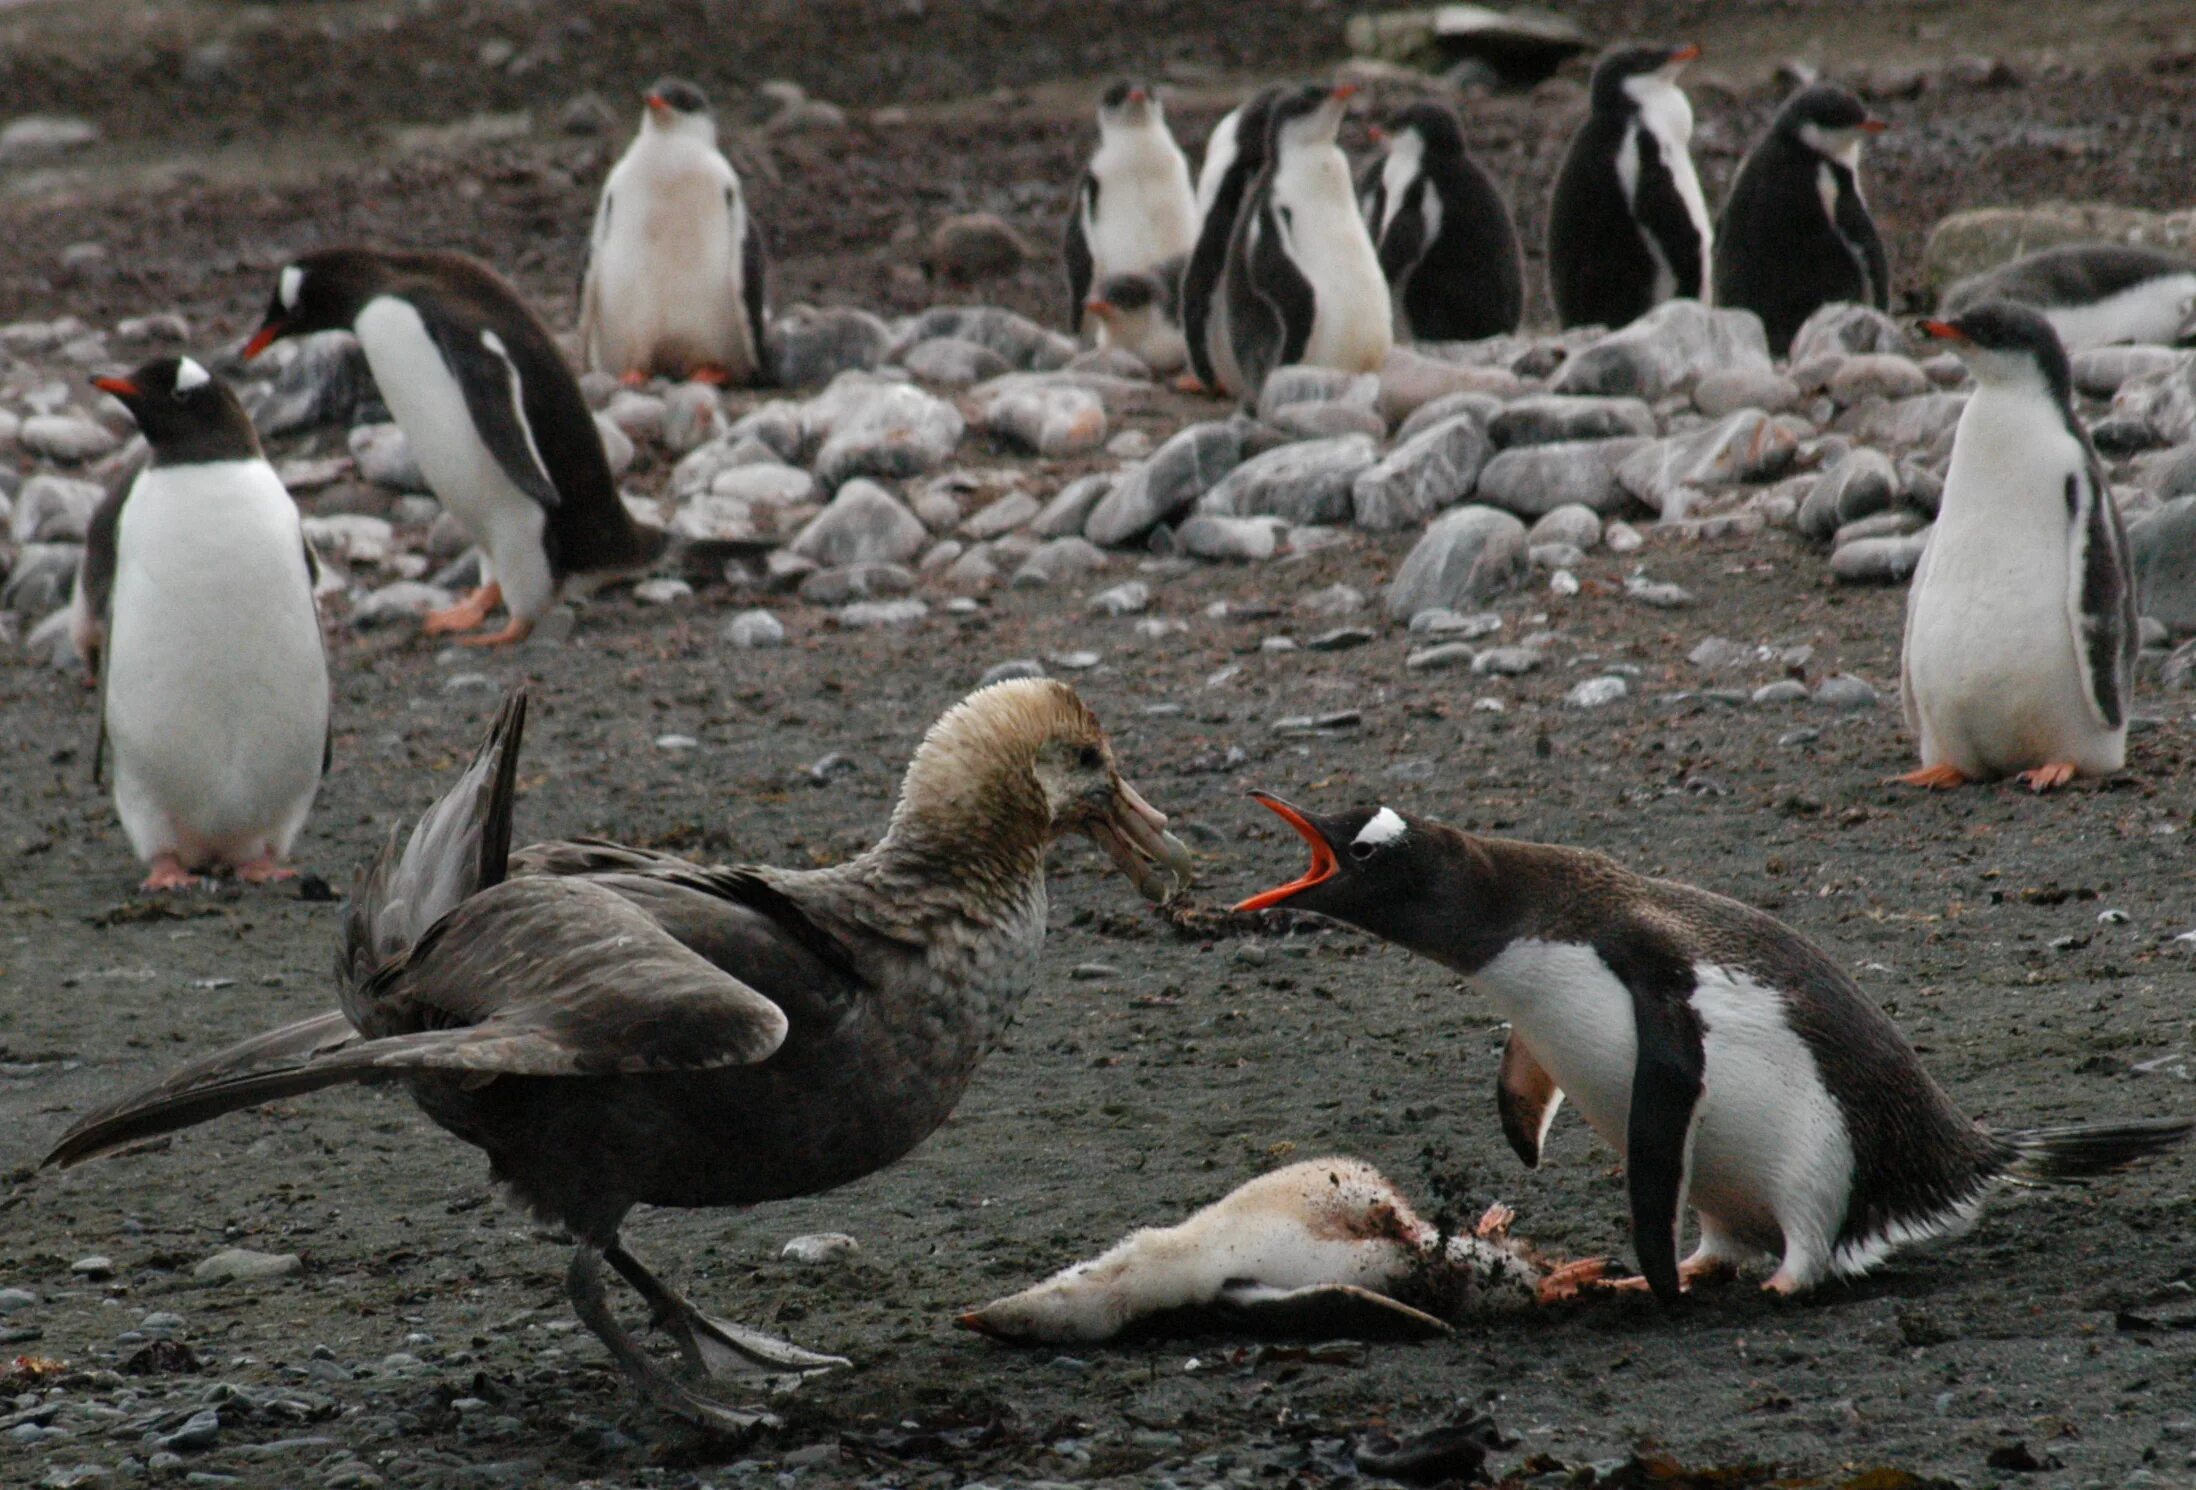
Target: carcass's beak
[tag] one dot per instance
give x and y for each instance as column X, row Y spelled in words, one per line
column 263, row 338
column 1134, row 835
column 1323, row 864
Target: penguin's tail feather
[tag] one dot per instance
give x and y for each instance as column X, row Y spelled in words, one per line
column 2044, row 1156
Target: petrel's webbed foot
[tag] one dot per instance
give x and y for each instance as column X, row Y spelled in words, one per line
column 712, row 1346
column 667, row 1389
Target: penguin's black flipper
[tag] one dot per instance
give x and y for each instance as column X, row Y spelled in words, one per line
column 495, row 397
column 2103, row 599
column 1661, row 211
column 1856, row 227
column 1527, row 1097
column 1201, row 276
column 1404, row 244
column 1667, row 1081
column 1075, row 248
column 1274, row 298
column 754, row 274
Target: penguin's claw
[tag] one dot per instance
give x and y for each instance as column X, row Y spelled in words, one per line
column 2049, row 777
column 711, row 374
column 1940, row 778
column 264, row 870
column 168, row 873
column 1567, row 1282
column 1189, row 383
column 516, row 631
column 1495, row 1223
column 467, row 614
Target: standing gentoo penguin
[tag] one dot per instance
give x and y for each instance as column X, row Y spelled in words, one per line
column 618, row 1027
column 2094, row 294
column 1141, row 313
column 675, row 271
column 1446, row 240
column 194, row 603
column 1234, row 156
column 1134, row 208
column 1795, row 234
column 2020, row 625
column 1733, row 1063
column 494, row 418
column 1303, row 281
column 1628, row 226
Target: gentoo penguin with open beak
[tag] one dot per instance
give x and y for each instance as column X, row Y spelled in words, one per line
column 1141, row 313
column 2020, row 624
column 1628, row 225
column 1446, row 240
column 1303, row 281
column 2094, row 294
column 492, row 414
column 1234, row 157
column 675, row 267
column 1733, row 1063
column 1795, row 233
column 194, row 604
column 1134, row 208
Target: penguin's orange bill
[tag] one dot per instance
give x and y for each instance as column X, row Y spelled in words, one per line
column 119, row 387
column 1690, row 52
column 262, row 339
column 1098, row 307
column 1323, row 865
column 1874, row 126
column 1943, row 331
column 1345, row 90
column 657, row 105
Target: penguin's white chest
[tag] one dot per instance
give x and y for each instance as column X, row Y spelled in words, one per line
column 1146, row 212
column 1352, row 323
column 216, row 682
column 2153, row 311
column 667, row 265
column 1665, row 119
column 1990, row 643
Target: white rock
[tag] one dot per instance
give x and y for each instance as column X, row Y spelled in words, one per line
column 864, row 523
column 1060, row 559
column 1595, row 693
column 820, row 1248
column 1014, row 510
column 1578, row 526
column 1054, row 422
column 403, row 600
column 752, row 629
column 1436, row 468
column 1536, row 479
column 1130, row 599
column 66, row 438
column 892, row 430
column 662, row 590
column 1178, row 473
column 1549, row 418
column 243, row 1265
column 351, row 538
column 384, row 457
column 870, row 615
column 1747, row 446
column 1210, row 536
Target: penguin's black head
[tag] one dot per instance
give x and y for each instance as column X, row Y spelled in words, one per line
column 322, row 291
column 1622, row 72
column 2007, row 345
column 675, row 98
column 1307, row 115
column 1434, row 123
column 1827, row 119
column 187, row 414
column 1129, row 102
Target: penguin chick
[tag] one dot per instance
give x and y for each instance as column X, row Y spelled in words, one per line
column 1447, row 243
column 2021, row 634
column 1134, row 208
column 2094, row 294
column 675, row 264
column 1733, row 1064
column 214, row 677
column 1796, row 234
column 1141, row 313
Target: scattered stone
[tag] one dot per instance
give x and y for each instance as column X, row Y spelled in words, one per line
column 1436, row 468
column 53, row 509
column 1341, row 639
column 44, row 134
column 1533, row 480
column 1622, row 538
column 94, row 1267
column 693, row 415
column 1130, row 599
column 808, row 346
column 1906, row 423
column 1658, row 594
column 954, row 362
column 14, row 1299
column 752, row 629
column 2162, row 545
column 1595, row 693
column 1334, row 600
column 1551, row 418
column 1720, row 394
column 864, row 523
column 1055, row 421
column 43, row 578
column 842, row 583
column 1441, row 621
column 1747, row 446
column 1208, row 536
column 403, row 600
column 351, row 538
column 638, row 416
column 1325, row 421
column 974, row 246
column 1479, row 406
column 1508, row 662
column 66, row 438
column 1059, row 559
column 1411, row 382
column 1577, row 526
column 1466, row 554
column 384, row 457
column 1844, row 329
column 1318, row 724
column 1308, row 482
column 1178, row 473
column 1877, row 375
column 1844, row 691
column 869, row 615
column 1555, row 556
column 200, row 1431
column 1299, row 384
column 1440, row 656
column 1783, row 691
column 2101, row 372
column 1017, row 667
column 243, row 1265
column 1022, row 342
column 1878, row 561
column 1717, row 654
column 820, row 1248
column 1858, row 486
column 874, row 427
column 1000, row 517
column 1666, row 351
column 1069, row 510
column 975, row 569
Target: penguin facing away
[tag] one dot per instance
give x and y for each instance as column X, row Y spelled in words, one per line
column 2021, row 634
column 675, row 264
column 492, row 414
column 2094, row 294
column 1735, row 1066
column 1134, row 208
column 1303, row 281
column 1234, row 156
column 1628, row 223
column 1446, row 240
column 195, row 601
column 1796, row 234
column 1141, row 313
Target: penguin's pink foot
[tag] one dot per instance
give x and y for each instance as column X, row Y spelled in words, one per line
column 712, row 374
column 516, row 631
column 1941, row 778
column 1189, row 383
column 264, row 870
column 1573, row 1278
column 1692, row 1270
column 467, row 614
column 1782, row 1284
column 1495, row 1223
column 2049, row 777
column 633, row 377
column 168, row 873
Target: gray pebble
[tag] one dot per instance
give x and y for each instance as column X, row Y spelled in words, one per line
column 1595, row 693
column 1846, row 692
column 1783, row 691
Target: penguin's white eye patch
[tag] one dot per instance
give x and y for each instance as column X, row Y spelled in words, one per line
column 1385, row 826
column 292, row 284
column 189, row 375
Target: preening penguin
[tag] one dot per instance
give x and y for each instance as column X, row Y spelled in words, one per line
column 1303, row 282
column 1796, row 234
column 2094, row 294
column 1628, row 224
column 675, row 265
column 1446, row 241
column 195, row 604
column 1234, row 157
column 493, row 416
column 2020, row 625
column 1134, row 208
column 1734, row 1064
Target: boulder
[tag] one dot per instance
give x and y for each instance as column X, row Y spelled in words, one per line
column 1467, row 554
column 1154, row 491
column 890, row 430
column 1436, row 468
column 1861, row 484
column 1747, row 446
column 2163, row 545
column 1308, row 482
column 1666, row 351
column 863, row 524
column 1844, row 329
column 807, row 346
column 1213, row 536
column 1548, row 418
column 1534, row 479
column 1055, row 421
column 1022, row 342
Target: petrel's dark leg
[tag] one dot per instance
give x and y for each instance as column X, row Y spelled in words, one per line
column 712, row 1346
column 583, row 1281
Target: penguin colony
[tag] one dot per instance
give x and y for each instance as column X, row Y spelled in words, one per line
column 1743, row 1078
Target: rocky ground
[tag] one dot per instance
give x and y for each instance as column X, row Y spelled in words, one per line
column 1637, row 594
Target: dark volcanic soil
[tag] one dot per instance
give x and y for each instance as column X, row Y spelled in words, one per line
column 2027, row 946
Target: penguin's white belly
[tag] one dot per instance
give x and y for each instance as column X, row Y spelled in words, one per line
column 1990, row 644
column 668, row 277
column 1353, row 321
column 1576, row 1017
column 1146, row 214
column 2153, row 311
column 430, row 407
column 216, row 683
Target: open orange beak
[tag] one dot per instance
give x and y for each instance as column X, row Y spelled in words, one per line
column 262, row 339
column 119, row 387
column 1943, row 331
column 1690, row 52
column 658, row 105
column 1323, row 864
column 1874, row 126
